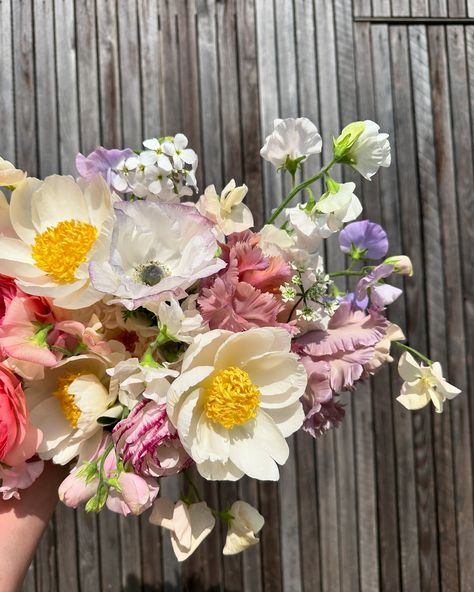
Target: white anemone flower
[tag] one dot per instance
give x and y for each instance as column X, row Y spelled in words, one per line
column 292, row 139
column 60, row 226
column 227, row 211
column 423, row 384
column 157, row 251
column 245, row 523
column 236, row 400
column 66, row 405
column 362, row 146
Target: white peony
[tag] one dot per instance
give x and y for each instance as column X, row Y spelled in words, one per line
column 60, row 227
column 291, row 139
column 66, row 405
column 236, row 400
column 423, row 384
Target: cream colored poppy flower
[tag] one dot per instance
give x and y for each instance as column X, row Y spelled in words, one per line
column 9, row 175
column 66, row 405
column 236, row 400
column 60, row 227
column 227, row 211
column 246, row 522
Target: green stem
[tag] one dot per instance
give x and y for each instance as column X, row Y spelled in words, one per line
column 297, row 189
column 413, row 351
column 294, row 308
column 345, row 272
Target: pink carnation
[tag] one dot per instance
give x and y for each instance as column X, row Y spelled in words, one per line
column 243, row 296
column 148, row 442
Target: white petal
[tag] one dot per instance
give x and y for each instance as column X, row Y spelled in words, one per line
column 20, row 209
column 219, row 471
column 181, row 386
column 288, row 419
column 203, row 350
column 408, row 368
column 212, row 441
column 413, row 401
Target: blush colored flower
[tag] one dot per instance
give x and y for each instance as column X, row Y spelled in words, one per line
column 158, row 250
column 103, row 162
column 148, row 442
column 9, row 175
column 244, row 524
column 19, row 440
column 18, row 477
column 134, row 494
column 227, row 211
column 364, row 240
column 189, row 525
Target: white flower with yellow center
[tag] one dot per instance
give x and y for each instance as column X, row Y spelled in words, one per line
column 60, row 227
column 66, row 405
column 236, row 400
column 423, row 384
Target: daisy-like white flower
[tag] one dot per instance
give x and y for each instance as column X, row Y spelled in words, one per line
column 157, row 251
column 236, row 401
column 362, row 146
column 9, row 175
column 245, row 523
column 60, row 227
column 423, row 384
column 227, row 211
column 66, row 405
column 177, row 149
column 291, row 141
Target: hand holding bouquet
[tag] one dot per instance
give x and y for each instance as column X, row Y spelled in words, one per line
column 142, row 334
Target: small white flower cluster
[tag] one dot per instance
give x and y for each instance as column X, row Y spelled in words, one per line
column 165, row 171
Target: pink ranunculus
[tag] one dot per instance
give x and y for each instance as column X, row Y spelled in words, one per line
column 19, row 440
column 148, row 442
column 19, row 477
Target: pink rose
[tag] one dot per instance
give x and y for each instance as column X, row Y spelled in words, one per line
column 8, row 291
column 19, row 440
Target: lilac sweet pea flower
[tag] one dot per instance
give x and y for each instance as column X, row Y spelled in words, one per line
column 104, row 162
column 364, row 239
column 381, row 295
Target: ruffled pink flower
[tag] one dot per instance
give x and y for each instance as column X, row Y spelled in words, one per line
column 243, row 296
column 148, row 442
column 334, row 360
column 20, row 477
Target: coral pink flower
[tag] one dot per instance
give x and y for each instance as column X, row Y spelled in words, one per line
column 148, row 442
column 19, row 477
column 243, row 295
column 19, row 440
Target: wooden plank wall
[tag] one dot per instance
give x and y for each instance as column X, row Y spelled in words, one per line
column 386, row 502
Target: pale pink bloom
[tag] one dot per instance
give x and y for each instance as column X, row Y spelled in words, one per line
column 134, row 495
column 189, row 525
column 75, row 490
column 9, row 175
column 19, row 477
column 382, row 349
column 148, row 442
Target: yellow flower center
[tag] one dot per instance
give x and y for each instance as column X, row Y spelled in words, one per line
column 231, row 398
column 61, row 249
column 71, row 411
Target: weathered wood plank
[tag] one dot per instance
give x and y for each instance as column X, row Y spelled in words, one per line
column 109, row 543
column 7, row 103
column 88, row 557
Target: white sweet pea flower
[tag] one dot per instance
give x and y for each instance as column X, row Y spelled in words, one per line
column 423, row 384
column 245, row 523
column 291, row 140
column 131, row 382
column 189, row 525
column 340, row 205
column 227, row 211
column 9, row 175
column 182, row 321
column 362, row 146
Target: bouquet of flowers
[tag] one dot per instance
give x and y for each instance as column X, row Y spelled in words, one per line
column 143, row 333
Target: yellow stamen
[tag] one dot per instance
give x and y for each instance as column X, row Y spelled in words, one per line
column 61, row 249
column 71, row 411
column 231, row 398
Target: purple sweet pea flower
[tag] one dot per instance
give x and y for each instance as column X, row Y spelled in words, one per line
column 381, row 295
column 364, row 239
column 103, row 162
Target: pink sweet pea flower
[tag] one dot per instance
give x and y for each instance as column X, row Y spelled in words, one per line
column 19, row 477
column 75, row 489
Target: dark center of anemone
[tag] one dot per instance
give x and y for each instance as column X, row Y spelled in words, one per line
column 151, row 274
